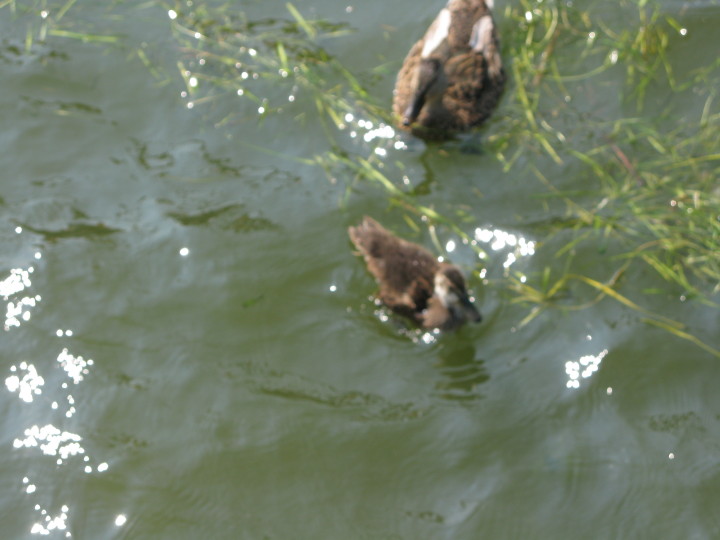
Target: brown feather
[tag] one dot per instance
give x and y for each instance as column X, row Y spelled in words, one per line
column 470, row 83
column 406, row 273
column 404, row 270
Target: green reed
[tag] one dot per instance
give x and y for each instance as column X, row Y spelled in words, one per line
column 231, row 55
column 655, row 188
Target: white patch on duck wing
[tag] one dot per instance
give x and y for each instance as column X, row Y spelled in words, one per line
column 437, row 33
column 481, row 36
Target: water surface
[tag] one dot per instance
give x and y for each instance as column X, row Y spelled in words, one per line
column 190, row 349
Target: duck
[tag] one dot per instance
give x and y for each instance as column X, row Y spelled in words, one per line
column 453, row 77
column 413, row 283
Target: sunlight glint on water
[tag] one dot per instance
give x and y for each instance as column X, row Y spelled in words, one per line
column 583, row 368
column 26, row 381
column 515, row 246
column 17, row 281
column 29, row 385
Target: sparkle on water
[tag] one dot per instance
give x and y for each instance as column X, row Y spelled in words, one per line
column 583, row 368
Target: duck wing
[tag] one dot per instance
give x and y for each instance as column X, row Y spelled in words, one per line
column 475, row 77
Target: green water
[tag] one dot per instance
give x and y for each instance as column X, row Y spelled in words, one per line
column 190, row 349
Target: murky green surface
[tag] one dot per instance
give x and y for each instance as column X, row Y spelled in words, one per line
column 190, row 350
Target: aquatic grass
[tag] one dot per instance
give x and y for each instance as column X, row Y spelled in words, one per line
column 87, row 22
column 272, row 62
column 550, row 296
column 655, row 190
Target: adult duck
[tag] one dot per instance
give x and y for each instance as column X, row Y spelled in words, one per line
column 412, row 282
column 452, row 79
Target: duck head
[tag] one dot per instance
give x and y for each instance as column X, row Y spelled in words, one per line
column 429, row 80
column 450, row 305
column 428, row 85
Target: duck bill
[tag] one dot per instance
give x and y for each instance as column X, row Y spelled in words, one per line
column 413, row 110
column 471, row 312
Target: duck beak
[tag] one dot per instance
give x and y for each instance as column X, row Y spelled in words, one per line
column 413, row 110
column 470, row 310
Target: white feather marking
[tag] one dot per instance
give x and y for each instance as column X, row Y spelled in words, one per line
column 481, row 36
column 437, row 33
column 442, row 290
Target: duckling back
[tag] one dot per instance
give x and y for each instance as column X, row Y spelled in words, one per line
column 404, row 271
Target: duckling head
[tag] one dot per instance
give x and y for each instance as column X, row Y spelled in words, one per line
column 450, row 306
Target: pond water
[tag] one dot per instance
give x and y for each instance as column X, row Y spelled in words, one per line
column 190, row 347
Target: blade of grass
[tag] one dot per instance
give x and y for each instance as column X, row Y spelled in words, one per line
column 624, row 300
column 302, row 22
column 63, row 10
column 684, row 335
column 84, row 37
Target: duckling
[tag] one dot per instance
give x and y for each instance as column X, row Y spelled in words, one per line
column 412, row 282
column 452, row 78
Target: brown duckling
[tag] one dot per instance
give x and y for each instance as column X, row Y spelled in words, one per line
column 412, row 281
column 452, row 79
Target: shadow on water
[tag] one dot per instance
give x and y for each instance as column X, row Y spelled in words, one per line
column 362, row 405
column 73, row 230
column 234, row 217
column 462, row 373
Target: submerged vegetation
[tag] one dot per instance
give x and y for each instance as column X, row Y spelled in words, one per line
column 591, row 94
